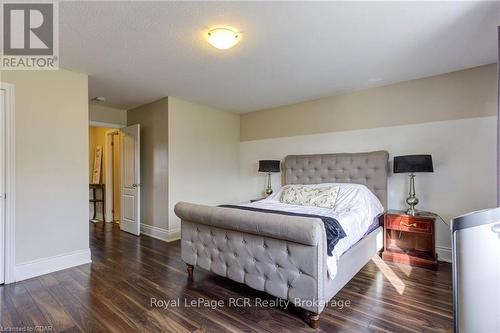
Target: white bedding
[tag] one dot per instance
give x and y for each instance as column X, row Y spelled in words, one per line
column 355, row 209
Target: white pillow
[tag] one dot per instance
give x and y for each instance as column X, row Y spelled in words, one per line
column 324, row 197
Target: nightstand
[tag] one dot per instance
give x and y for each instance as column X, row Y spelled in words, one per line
column 410, row 239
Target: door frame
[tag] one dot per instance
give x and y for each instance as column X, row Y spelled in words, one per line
column 10, row 177
column 93, row 123
column 108, row 154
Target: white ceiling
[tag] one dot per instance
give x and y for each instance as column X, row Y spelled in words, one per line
column 137, row 52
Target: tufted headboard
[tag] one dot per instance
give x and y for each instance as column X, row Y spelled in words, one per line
column 369, row 169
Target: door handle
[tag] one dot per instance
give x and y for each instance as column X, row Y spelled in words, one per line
column 496, row 228
column 136, row 185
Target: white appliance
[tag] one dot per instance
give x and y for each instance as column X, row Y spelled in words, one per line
column 476, row 271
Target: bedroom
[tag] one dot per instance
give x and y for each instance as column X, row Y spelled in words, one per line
column 376, row 80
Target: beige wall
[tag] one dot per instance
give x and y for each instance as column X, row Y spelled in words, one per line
column 458, row 95
column 104, row 114
column 451, row 116
column 51, row 133
column 203, row 156
column 153, row 119
column 459, row 148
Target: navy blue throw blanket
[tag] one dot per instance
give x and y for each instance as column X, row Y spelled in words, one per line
column 334, row 231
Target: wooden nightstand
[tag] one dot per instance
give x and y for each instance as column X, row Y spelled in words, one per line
column 410, row 239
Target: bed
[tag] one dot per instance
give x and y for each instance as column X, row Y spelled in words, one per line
column 286, row 255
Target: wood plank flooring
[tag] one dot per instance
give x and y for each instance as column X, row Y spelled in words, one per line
column 114, row 293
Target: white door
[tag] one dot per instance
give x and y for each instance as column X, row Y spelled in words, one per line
column 130, row 193
column 2, row 185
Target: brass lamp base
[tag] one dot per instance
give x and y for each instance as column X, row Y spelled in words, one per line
column 269, row 189
column 412, row 200
column 411, row 211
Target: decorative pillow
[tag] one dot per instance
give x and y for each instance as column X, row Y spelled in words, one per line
column 324, row 197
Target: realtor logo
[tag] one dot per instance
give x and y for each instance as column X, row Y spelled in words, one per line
column 30, row 36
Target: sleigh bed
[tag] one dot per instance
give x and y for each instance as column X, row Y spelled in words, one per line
column 285, row 255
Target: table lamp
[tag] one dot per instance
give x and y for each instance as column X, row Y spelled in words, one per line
column 269, row 166
column 412, row 164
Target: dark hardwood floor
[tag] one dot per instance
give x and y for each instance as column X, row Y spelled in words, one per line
column 114, row 294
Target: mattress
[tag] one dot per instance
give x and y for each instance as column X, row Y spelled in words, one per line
column 357, row 210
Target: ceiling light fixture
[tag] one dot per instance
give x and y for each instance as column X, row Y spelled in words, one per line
column 98, row 99
column 223, row 38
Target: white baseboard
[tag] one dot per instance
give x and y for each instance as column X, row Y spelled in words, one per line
column 43, row 266
column 160, row 233
column 444, row 253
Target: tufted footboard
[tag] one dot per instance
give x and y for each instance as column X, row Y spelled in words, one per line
column 281, row 268
column 284, row 256
column 293, row 269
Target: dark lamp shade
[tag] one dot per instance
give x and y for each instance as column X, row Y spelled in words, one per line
column 269, row 166
column 413, row 163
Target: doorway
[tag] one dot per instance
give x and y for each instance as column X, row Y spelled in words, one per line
column 112, row 168
column 7, row 190
column 2, row 185
column 114, row 171
column 116, row 175
column 105, row 174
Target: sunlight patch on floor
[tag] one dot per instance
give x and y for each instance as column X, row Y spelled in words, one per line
column 406, row 269
column 389, row 274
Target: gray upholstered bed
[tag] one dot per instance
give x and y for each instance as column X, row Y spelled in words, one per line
column 285, row 256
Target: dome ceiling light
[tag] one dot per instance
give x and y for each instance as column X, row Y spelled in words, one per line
column 223, row 38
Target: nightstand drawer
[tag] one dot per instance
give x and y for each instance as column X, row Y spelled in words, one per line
column 407, row 223
column 410, row 239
